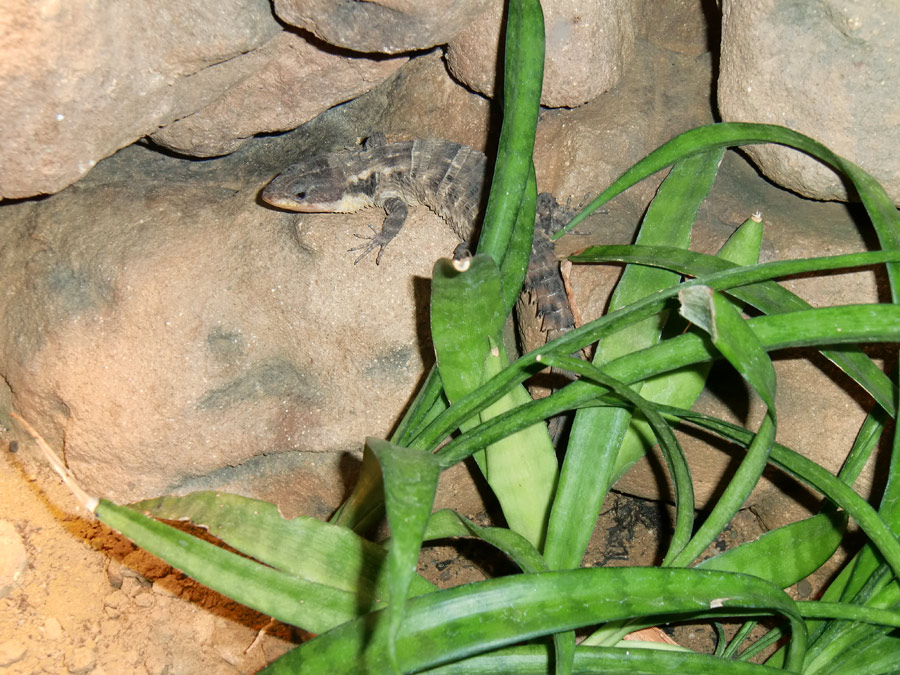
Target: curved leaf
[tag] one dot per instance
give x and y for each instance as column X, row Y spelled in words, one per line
column 787, row 554
column 463, row 621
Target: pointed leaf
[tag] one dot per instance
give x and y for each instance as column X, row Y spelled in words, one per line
column 787, row 554
column 465, row 316
column 304, row 547
column 410, row 483
column 301, row 603
column 520, row 468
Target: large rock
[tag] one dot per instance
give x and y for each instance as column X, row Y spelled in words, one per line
column 79, row 81
column 170, row 332
column 383, row 26
column 293, row 82
column 829, row 69
column 587, row 46
column 160, row 330
column 686, row 27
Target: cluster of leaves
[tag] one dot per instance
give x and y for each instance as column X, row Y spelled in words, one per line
column 375, row 614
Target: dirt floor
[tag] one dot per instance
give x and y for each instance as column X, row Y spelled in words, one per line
column 75, row 597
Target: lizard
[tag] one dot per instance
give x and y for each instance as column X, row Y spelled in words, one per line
column 447, row 177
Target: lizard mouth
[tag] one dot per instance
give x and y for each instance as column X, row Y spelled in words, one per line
column 288, row 204
column 271, row 195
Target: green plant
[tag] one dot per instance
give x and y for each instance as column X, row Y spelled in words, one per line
column 375, row 614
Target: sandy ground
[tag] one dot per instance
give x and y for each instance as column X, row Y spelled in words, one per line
column 76, row 597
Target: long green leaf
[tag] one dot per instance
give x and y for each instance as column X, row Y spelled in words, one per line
column 733, row 337
column 465, row 317
column 410, row 483
column 878, row 204
column 877, row 656
column 522, row 80
column 446, row 523
column 506, row 233
column 518, row 253
column 682, row 388
column 816, row 477
column 309, row 605
column 521, row 468
column 858, row 573
column 303, row 547
column 365, row 505
column 672, row 452
column 767, row 297
column 608, row 324
column 625, row 660
column 452, row 624
column 597, row 433
column 787, row 554
column 849, row 612
column 836, row 638
column 738, row 343
column 847, row 324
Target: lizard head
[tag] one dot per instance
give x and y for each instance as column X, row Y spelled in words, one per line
column 326, row 183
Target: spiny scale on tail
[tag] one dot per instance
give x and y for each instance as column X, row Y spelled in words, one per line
column 543, row 279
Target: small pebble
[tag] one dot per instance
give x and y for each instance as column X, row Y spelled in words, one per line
column 13, row 558
column 53, row 628
column 131, row 586
column 114, row 573
column 82, row 660
column 156, row 663
column 11, row 651
column 115, row 599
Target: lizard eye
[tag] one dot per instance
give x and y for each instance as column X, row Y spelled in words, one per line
column 300, row 196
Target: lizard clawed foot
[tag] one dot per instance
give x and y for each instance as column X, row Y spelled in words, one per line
column 378, row 240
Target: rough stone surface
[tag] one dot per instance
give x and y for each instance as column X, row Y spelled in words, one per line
column 189, row 333
column 167, row 331
column 229, row 329
column 415, row 104
column 828, row 69
column 11, row 652
column 383, row 26
column 293, row 82
column 581, row 151
column 79, row 81
column 687, row 27
column 187, row 329
column 587, row 46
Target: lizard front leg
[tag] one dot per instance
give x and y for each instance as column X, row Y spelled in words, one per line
column 397, row 211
